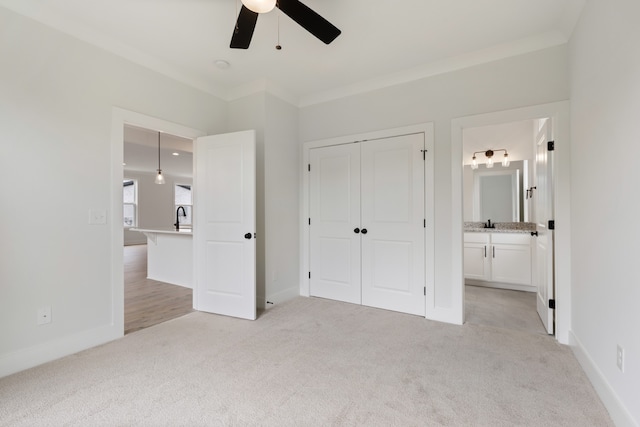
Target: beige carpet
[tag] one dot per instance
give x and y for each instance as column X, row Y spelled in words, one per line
column 309, row 362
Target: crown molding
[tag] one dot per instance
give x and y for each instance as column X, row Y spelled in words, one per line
column 495, row 53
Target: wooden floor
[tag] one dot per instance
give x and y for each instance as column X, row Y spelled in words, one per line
column 149, row 302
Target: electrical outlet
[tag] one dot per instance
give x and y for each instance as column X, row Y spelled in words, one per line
column 44, row 315
column 620, row 358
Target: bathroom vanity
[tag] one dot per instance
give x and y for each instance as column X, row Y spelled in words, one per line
column 499, row 257
column 169, row 255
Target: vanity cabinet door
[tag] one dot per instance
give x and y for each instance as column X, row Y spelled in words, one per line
column 511, row 258
column 477, row 264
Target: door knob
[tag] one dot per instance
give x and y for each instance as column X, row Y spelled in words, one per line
column 247, row 236
column 357, row 230
column 364, row 231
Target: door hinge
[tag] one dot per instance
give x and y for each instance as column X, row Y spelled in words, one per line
column 424, row 223
column 552, row 224
column 309, row 167
column 425, row 291
column 309, row 275
column 424, row 154
column 309, row 221
column 552, row 304
column 551, row 145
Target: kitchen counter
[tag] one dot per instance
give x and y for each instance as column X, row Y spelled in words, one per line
column 169, row 255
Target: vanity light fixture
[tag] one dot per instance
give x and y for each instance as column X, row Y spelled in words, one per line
column 159, row 177
column 489, row 155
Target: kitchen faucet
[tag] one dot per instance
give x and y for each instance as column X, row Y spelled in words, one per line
column 184, row 213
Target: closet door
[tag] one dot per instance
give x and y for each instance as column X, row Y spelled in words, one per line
column 335, row 217
column 392, row 224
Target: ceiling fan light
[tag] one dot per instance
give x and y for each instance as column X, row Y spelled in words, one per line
column 259, row 6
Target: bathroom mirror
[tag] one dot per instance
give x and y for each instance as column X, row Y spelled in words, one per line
column 496, row 193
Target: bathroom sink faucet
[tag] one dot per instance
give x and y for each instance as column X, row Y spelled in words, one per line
column 184, row 213
column 489, row 225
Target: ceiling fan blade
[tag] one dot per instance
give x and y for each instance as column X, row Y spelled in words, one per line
column 309, row 20
column 243, row 30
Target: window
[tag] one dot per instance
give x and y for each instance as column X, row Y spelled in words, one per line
column 183, row 198
column 130, row 202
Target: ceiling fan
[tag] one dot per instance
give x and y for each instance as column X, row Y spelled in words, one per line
column 302, row 14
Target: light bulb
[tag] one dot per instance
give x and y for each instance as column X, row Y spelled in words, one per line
column 259, row 6
column 505, row 160
column 474, row 163
column 159, row 177
column 489, row 163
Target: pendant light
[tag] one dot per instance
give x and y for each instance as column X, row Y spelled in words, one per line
column 259, row 6
column 159, row 177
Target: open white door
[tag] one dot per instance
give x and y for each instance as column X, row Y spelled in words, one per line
column 225, row 224
column 543, row 202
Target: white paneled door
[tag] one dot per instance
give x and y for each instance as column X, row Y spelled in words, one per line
column 335, row 214
column 392, row 224
column 543, row 252
column 225, row 224
column 367, row 235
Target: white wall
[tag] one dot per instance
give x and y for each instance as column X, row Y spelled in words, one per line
column 282, row 163
column 155, row 203
column 276, row 123
column 531, row 79
column 244, row 114
column 56, row 106
column 605, row 112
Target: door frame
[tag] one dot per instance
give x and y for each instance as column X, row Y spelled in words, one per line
column 560, row 115
column 119, row 118
column 428, row 130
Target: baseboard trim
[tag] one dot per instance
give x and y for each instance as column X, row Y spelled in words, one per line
column 20, row 360
column 618, row 412
column 282, row 296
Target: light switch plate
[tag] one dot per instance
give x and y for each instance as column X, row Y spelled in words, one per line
column 97, row 216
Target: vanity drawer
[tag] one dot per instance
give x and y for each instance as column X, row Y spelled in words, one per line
column 476, row 237
column 511, row 238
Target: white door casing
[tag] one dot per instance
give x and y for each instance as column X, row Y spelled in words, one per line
column 392, row 214
column 224, row 224
column 543, row 202
column 335, row 214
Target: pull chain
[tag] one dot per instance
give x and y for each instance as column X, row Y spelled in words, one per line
column 278, row 47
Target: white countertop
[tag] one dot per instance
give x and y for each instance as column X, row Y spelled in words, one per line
column 168, row 230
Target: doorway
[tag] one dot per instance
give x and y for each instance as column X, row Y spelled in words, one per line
column 498, row 175
column 153, row 294
column 559, row 115
column 120, row 120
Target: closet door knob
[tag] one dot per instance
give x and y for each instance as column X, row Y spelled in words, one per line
column 356, row 230
column 364, row 231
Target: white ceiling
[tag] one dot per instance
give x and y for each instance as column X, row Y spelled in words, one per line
column 382, row 42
